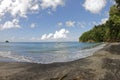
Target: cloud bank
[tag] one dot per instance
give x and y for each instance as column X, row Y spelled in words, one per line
column 21, row 8
column 17, row 7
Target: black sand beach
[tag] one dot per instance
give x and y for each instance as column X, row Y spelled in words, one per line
column 103, row 65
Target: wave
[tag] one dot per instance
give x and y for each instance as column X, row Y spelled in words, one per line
column 66, row 57
column 88, row 51
column 76, row 55
column 15, row 57
column 59, row 56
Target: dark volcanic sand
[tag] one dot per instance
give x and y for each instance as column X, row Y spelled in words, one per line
column 103, row 65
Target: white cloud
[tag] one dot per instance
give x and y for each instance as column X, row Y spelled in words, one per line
column 81, row 24
column 73, row 24
column 60, row 24
column 94, row 6
column 61, row 34
column 52, row 4
column 45, row 36
column 94, row 23
column 35, row 7
column 70, row 23
column 10, row 24
column 103, row 20
column 32, row 25
column 49, row 35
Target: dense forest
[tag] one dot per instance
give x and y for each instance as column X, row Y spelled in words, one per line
column 107, row 32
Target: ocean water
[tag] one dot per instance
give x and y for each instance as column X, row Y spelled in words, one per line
column 46, row 52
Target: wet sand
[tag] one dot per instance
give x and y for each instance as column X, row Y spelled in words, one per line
column 103, row 65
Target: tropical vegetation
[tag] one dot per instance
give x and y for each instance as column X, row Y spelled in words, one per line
column 107, row 32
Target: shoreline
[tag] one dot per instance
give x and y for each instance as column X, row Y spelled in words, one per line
column 102, row 65
column 8, row 56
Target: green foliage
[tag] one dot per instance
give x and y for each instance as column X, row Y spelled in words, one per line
column 108, row 32
column 95, row 35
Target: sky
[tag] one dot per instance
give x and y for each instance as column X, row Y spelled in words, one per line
column 50, row 20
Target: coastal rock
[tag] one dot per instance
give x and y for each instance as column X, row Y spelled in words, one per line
column 6, row 41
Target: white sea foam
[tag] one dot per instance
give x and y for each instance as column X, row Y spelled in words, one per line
column 87, row 52
column 14, row 57
column 71, row 57
column 59, row 56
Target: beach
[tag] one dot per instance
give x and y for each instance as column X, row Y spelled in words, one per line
column 102, row 65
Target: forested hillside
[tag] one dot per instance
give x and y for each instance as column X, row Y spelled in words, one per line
column 107, row 32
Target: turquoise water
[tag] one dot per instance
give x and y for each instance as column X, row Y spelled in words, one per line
column 46, row 52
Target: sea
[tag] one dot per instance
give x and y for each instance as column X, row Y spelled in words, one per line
column 46, row 52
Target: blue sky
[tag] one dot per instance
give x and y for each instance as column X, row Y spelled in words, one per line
column 50, row 20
